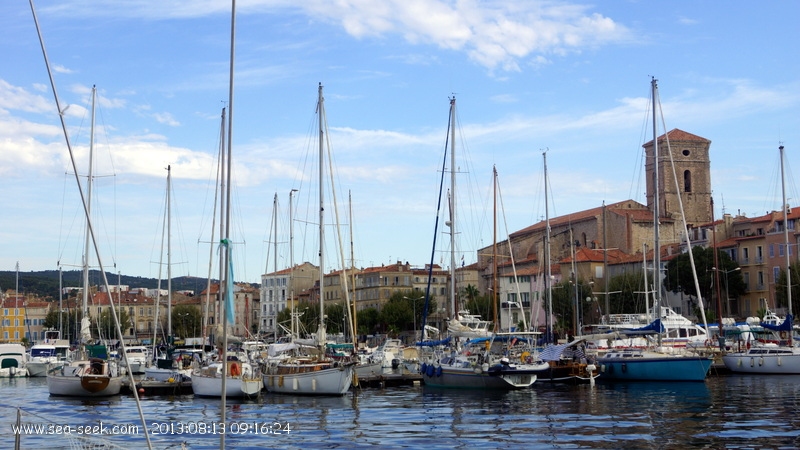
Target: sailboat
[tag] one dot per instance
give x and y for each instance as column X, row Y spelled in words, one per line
column 659, row 363
column 564, row 363
column 170, row 366
column 471, row 364
column 230, row 376
column 783, row 357
column 309, row 370
column 93, row 375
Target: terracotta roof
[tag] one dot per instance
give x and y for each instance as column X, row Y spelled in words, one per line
column 676, row 135
column 630, row 208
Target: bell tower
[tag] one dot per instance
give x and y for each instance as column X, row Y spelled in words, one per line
column 690, row 154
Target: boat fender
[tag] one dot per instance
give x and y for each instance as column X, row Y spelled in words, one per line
column 624, row 367
column 780, row 361
column 752, row 361
column 235, row 371
column 431, row 371
column 761, row 361
column 439, row 371
column 423, row 368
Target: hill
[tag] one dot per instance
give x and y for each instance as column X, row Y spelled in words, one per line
column 45, row 283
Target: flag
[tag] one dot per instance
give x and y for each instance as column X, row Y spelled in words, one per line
column 462, row 260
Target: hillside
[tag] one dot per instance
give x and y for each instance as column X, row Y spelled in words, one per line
column 45, row 283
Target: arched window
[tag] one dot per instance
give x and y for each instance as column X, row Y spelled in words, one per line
column 687, row 181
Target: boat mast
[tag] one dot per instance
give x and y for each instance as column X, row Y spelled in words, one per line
column 321, row 328
column 291, row 264
column 170, row 338
column 786, row 241
column 85, row 325
column 453, row 309
column 656, row 237
column 226, row 225
column 547, row 280
column 494, row 252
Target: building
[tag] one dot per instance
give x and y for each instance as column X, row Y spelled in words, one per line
column 278, row 291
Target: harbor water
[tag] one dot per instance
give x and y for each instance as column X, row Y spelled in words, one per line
column 722, row 412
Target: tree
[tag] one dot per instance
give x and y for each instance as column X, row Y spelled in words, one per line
column 679, row 277
column 368, row 320
column 334, row 317
column 187, row 321
column 69, row 323
column 105, row 327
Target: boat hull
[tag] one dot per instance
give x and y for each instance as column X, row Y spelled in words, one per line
column 83, row 386
column 239, row 382
column 775, row 361
column 206, row 386
column 655, row 369
column 331, row 381
column 476, row 378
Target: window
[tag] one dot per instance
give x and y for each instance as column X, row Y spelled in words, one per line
column 771, row 250
column 687, row 181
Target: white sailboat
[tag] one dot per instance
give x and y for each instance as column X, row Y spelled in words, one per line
column 169, row 366
column 783, row 357
column 309, row 370
column 93, row 375
column 230, row 376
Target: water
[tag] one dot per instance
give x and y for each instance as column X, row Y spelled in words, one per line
column 723, row 412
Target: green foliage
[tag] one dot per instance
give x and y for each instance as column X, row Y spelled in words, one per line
column 564, row 304
column 104, row 325
column 630, row 294
column 69, row 321
column 680, row 278
column 187, row 321
column 368, row 320
column 334, row 317
column 403, row 311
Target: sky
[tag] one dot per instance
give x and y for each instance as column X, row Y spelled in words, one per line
column 568, row 78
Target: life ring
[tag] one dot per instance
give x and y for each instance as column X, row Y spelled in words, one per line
column 235, row 371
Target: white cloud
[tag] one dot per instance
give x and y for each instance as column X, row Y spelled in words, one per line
column 167, row 119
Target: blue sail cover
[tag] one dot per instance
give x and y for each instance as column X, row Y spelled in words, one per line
column 785, row 326
column 443, row 342
column 655, row 327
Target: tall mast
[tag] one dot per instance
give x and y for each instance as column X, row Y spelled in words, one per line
column 321, row 329
column 170, row 339
column 453, row 309
column 89, row 183
column 656, row 205
column 228, row 283
column 494, row 252
column 291, row 262
column 85, row 333
column 786, row 239
column 547, row 281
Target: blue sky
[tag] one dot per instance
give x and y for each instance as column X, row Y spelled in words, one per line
column 571, row 77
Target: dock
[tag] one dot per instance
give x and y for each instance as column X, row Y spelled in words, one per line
column 390, row 380
column 153, row 387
